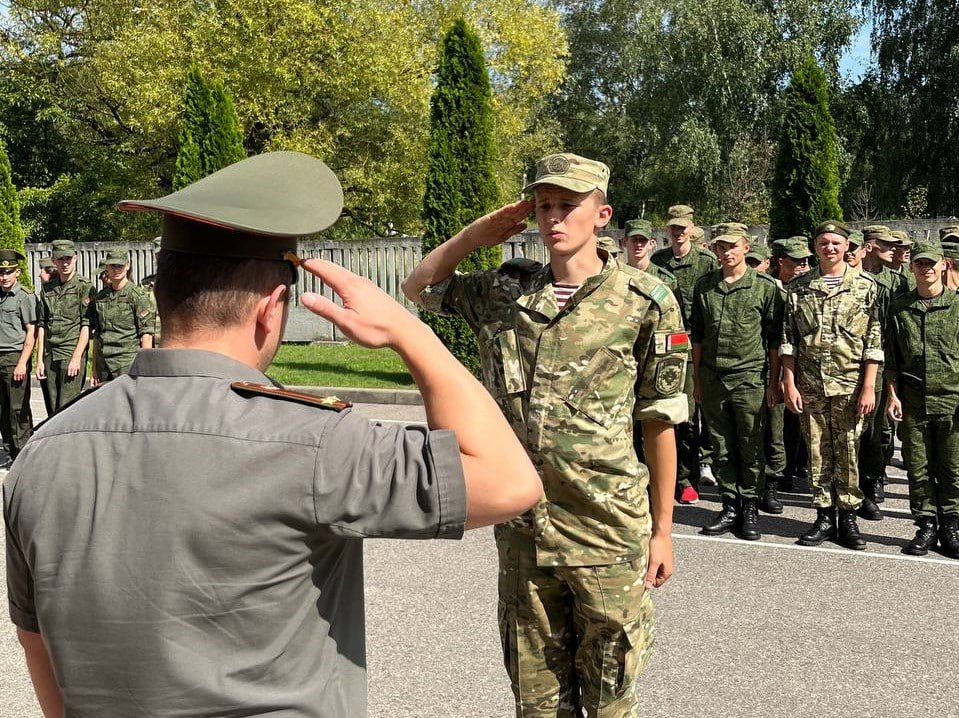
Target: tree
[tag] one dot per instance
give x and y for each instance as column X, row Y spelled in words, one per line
column 460, row 177
column 805, row 187
column 11, row 233
column 210, row 137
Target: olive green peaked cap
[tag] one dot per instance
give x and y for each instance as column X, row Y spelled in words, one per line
column 256, row 208
column 10, row 258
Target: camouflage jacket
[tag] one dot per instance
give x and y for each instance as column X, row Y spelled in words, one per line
column 687, row 271
column 571, row 382
column 922, row 353
column 118, row 319
column 831, row 334
column 63, row 312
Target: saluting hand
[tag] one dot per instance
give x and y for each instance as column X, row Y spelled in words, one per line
column 499, row 225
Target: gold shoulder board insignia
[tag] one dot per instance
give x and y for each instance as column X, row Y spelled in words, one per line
column 246, row 388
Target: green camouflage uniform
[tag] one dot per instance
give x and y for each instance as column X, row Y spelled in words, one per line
column 575, row 619
column 774, row 441
column 687, row 271
column 922, row 361
column 737, row 324
column 118, row 319
column 831, row 334
column 663, row 275
column 63, row 312
column 18, row 314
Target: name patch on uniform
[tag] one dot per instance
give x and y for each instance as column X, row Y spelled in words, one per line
column 670, row 342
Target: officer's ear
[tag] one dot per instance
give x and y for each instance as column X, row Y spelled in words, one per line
column 271, row 307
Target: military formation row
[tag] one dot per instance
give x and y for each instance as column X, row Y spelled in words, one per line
column 68, row 315
column 801, row 372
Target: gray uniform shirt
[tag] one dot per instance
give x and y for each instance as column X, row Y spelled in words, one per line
column 18, row 309
column 186, row 550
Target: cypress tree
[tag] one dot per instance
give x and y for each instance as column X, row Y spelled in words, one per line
column 460, row 182
column 805, row 187
column 210, row 136
column 11, row 232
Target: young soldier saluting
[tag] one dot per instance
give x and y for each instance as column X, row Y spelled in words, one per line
column 736, row 321
column 574, row 351
column 830, row 352
column 922, row 379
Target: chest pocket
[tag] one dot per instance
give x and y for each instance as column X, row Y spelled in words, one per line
column 10, row 315
column 599, row 388
column 806, row 317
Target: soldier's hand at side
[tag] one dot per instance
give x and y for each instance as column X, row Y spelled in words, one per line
column 793, row 399
column 894, row 408
column 697, row 392
column 73, row 368
column 660, row 561
column 369, row 316
column 41, row 371
column 499, row 225
column 867, row 401
column 774, row 394
column 20, row 371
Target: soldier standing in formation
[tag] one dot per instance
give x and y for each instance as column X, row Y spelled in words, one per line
column 18, row 318
column 735, row 326
column 686, row 260
column 64, row 327
column 122, row 318
column 949, row 237
column 639, row 244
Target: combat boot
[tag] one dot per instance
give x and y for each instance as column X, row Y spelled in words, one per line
column 849, row 531
column 924, row 539
column 868, row 510
column 879, row 489
column 725, row 520
column 824, row 527
column 749, row 528
column 770, row 502
column 949, row 535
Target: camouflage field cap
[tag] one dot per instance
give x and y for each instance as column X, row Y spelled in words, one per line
column 855, row 239
column 731, row 232
column 609, row 244
column 947, row 234
column 757, row 251
column 950, row 250
column 63, row 248
column 831, row 226
column 117, row 255
column 680, row 215
column 697, row 234
column 579, row 174
column 639, row 228
column 10, row 258
column 794, row 248
column 47, row 263
column 877, row 231
column 900, row 238
column 256, row 208
column 927, row 249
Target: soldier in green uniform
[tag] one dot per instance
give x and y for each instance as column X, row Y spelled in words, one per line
column 857, row 250
column 830, row 352
column 949, row 237
column 735, row 325
column 18, row 318
column 48, row 270
column 686, row 260
column 64, row 327
column 639, row 244
column 122, row 319
column 922, row 377
column 572, row 372
column 900, row 256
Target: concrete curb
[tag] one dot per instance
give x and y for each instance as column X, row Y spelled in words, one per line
column 357, row 395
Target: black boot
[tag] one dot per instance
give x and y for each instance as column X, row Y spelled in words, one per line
column 770, row 502
column 823, row 528
column 749, row 529
column 949, row 535
column 868, row 510
column 924, row 539
column 879, row 489
column 849, row 531
column 725, row 520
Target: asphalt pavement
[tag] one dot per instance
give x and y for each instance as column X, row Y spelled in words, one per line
column 764, row 628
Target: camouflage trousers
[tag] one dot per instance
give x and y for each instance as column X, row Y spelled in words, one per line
column 773, row 441
column 575, row 638
column 734, row 414
column 832, row 429
column 930, row 449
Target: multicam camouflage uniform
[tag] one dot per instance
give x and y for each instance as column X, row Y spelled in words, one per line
column 574, row 614
column 831, row 334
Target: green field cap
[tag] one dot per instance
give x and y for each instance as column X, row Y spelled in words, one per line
column 117, row 255
column 949, row 234
column 794, row 248
column 680, row 215
column 900, row 238
column 572, row 172
column 878, row 231
column 927, row 249
column 63, row 248
column 731, row 232
column 639, row 228
column 609, row 244
column 950, row 250
column 256, row 208
column 758, row 252
column 47, row 263
column 10, row 258
column 832, row 226
column 855, row 239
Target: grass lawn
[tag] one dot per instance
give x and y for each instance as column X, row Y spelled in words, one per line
column 339, row 365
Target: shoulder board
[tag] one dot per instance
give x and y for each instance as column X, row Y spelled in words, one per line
column 246, row 388
column 520, row 265
column 82, row 395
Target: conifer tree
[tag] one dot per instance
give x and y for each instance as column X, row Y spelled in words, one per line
column 11, row 232
column 805, row 187
column 460, row 182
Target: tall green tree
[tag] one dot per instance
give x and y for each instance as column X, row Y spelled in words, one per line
column 11, row 233
column 805, row 188
column 210, row 136
column 460, row 177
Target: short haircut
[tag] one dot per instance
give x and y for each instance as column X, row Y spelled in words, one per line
column 198, row 292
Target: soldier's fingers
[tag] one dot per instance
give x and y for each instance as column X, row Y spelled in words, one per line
column 333, row 275
column 326, row 308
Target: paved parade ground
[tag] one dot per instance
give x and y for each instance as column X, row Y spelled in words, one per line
column 763, row 629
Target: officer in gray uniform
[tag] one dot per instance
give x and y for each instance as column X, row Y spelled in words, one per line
column 18, row 319
column 185, row 540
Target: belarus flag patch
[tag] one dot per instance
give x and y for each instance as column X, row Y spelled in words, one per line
column 670, row 342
